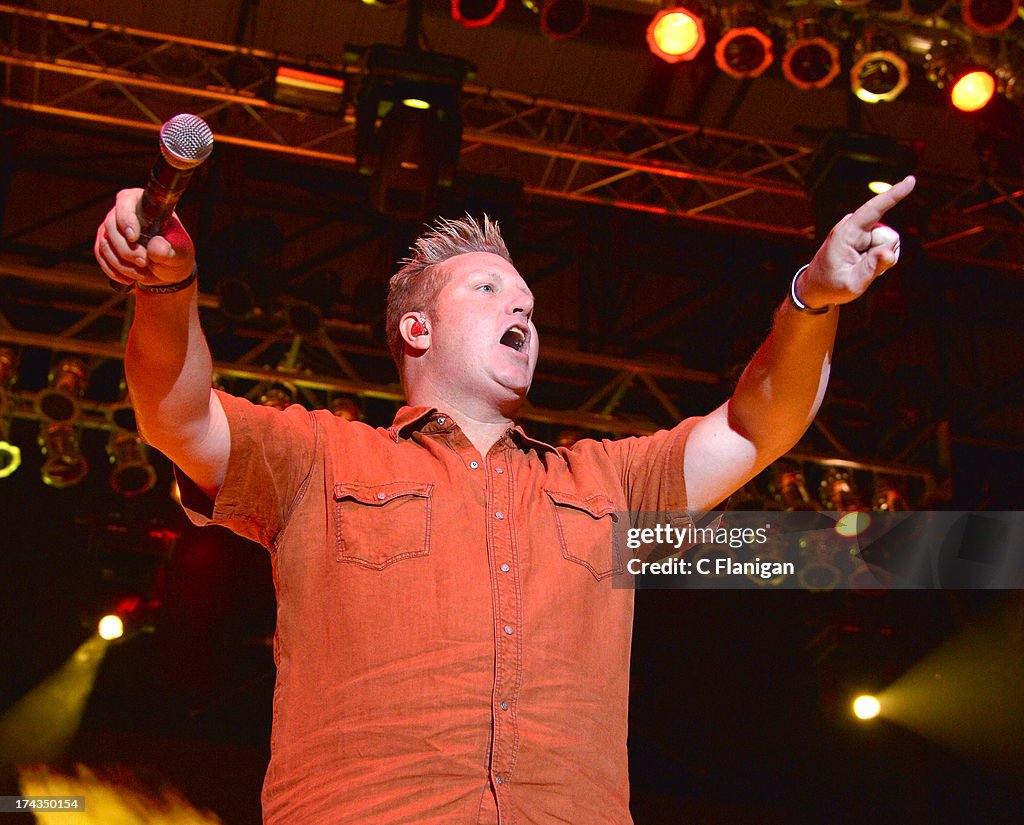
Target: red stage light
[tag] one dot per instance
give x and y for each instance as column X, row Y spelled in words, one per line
column 676, row 34
column 476, row 13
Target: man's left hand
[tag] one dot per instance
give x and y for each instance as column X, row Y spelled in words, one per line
column 857, row 250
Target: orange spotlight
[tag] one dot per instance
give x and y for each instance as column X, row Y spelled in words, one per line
column 973, row 90
column 676, row 34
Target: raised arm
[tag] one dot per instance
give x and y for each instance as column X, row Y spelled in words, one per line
column 167, row 361
column 781, row 389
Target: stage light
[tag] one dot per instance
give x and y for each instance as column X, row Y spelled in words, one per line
column 64, row 465
column 676, row 34
column 866, row 707
column 950, row 65
column 303, row 318
column 839, row 490
column 235, row 299
column 743, row 50
column 10, row 454
column 790, row 487
column 132, row 474
column 560, row 19
column 408, row 128
column 317, row 91
column 810, row 61
column 476, row 13
column 384, row 4
column 110, row 627
column 888, row 495
column 879, row 74
column 990, row 16
column 973, row 90
column 59, row 402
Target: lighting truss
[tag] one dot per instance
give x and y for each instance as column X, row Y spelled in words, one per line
column 134, row 80
column 618, row 387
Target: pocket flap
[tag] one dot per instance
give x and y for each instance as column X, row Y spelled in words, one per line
column 597, row 505
column 380, row 494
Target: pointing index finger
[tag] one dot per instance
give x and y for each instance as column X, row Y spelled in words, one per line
column 873, row 210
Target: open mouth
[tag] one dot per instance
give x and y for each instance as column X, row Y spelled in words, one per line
column 515, row 338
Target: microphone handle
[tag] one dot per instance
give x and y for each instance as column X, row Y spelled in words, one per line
column 163, row 190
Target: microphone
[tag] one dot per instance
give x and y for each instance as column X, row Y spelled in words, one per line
column 185, row 142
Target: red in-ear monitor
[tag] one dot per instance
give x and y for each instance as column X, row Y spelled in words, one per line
column 417, row 328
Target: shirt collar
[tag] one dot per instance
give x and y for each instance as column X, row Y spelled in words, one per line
column 430, row 419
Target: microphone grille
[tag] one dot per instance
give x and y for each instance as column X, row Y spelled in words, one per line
column 186, row 141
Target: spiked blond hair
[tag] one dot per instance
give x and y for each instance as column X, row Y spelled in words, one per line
column 418, row 282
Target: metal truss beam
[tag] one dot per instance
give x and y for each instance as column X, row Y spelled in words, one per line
column 133, row 79
column 621, row 390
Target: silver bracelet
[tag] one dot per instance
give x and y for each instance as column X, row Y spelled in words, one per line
column 799, row 305
column 167, row 289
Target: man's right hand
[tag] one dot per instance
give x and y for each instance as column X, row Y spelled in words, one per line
column 169, row 257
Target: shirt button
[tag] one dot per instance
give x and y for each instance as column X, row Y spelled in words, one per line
column 499, row 516
column 381, row 496
column 441, row 419
column 505, row 568
column 498, row 779
column 504, row 706
column 474, row 464
column 508, row 629
column 499, row 470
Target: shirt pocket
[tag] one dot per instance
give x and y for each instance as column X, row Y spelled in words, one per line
column 377, row 525
column 585, row 528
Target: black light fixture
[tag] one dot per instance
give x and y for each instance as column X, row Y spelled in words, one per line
column 811, row 60
column 64, row 465
column 132, row 474
column 744, row 50
column 59, row 402
column 990, row 16
column 560, row 19
column 408, row 127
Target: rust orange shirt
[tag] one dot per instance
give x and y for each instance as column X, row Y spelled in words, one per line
column 449, row 647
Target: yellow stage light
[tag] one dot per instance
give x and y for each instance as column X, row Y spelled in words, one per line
column 866, row 707
column 110, row 627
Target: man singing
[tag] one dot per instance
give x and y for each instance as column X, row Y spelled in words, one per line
column 449, row 648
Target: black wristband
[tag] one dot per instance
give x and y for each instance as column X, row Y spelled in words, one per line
column 799, row 305
column 167, row 289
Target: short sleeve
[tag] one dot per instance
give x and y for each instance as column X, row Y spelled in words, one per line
column 271, row 458
column 651, row 469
